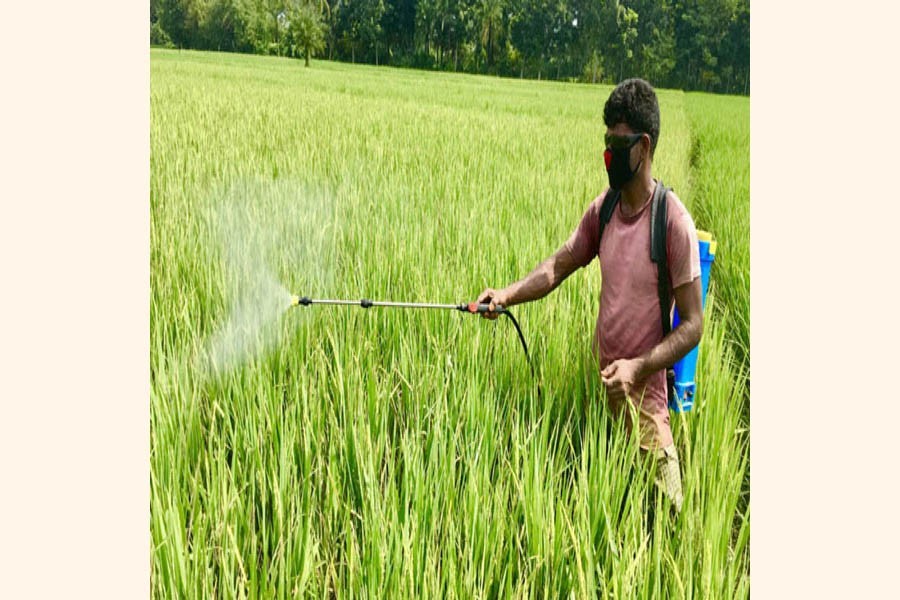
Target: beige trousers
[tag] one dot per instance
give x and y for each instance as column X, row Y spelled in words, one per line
column 668, row 473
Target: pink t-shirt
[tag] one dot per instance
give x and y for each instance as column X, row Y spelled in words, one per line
column 628, row 324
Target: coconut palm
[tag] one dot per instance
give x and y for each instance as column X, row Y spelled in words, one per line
column 489, row 16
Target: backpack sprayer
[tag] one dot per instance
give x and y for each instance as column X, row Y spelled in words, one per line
column 471, row 308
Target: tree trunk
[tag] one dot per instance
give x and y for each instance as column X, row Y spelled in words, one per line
column 307, row 56
column 277, row 42
column 490, row 45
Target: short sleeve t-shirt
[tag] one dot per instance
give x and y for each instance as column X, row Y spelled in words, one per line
column 628, row 323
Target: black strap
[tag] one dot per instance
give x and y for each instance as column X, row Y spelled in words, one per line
column 658, row 225
column 606, row 211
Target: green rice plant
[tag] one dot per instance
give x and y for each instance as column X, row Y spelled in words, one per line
column 312, row 452
column 720, row 183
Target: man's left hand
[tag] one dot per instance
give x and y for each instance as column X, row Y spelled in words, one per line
column 621, row 375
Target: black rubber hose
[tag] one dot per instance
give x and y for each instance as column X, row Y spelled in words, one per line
column 521, row 336
column 525, row 348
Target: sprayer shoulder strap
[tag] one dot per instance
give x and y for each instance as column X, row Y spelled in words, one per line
column 606, row 211
column 658, row 226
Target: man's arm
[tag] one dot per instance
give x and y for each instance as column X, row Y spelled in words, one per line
column 545, row 278
column 622, row 374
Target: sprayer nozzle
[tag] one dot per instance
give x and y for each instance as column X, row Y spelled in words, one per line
column 295, row 300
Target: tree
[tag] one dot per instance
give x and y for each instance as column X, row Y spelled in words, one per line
column 306, row 30
column 734, row 52
column 654, row 56
column 589, row 38
column 427, row 17
column 359, row 25
column 542, row 31
column 178, row 18
column 451, row 30
column 621, row 50
column 700, row 28
column 271, row 24
column 370, row 23
column 222, row 26
column 489, row 19
column 399, row 27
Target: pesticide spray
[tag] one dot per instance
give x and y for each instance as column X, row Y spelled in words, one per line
column 264, row 229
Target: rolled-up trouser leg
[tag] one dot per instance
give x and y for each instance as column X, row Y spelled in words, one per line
column 668, row 474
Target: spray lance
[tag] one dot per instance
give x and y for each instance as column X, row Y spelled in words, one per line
column 472, row 308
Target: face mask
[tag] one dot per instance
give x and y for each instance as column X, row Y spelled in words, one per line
column 617, row 159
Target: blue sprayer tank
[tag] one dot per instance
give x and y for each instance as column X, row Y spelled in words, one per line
column 686, row 368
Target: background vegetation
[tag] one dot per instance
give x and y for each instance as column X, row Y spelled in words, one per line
column 686, row 44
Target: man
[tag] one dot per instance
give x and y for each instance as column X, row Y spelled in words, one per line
column 628, row 340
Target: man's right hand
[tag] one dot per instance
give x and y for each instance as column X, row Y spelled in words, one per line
column 493, row 298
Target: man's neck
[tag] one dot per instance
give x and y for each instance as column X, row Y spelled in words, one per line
column 636, row 192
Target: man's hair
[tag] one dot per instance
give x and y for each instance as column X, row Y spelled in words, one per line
column 634, row 103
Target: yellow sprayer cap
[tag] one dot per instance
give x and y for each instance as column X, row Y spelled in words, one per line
column 704, row 236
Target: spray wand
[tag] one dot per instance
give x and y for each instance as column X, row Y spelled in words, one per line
column 472, row 308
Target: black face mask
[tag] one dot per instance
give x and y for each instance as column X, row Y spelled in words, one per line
column 618, row 166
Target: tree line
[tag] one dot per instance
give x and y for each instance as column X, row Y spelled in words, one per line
column 688, row 44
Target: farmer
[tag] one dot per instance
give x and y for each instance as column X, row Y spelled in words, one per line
column 628, row 340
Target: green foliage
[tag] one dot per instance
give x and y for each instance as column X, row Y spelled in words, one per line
column 177, row 19
column 306, row 31
column 721, row 184
column 487, row 20
column 358, row 28
column 701, row 28
column 223, row 26
column 593, row 69
column 655, row 45
column 542, row 31
column 691, row 44
column 158, row 36
column 408, row 454
column 621, row 50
